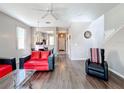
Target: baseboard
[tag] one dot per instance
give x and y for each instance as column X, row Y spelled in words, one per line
column 74, row 59
column 84, row 58
column 81, row 59
column 115, row 72
column 78, row 59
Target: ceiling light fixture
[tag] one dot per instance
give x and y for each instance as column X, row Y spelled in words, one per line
column 48, row 22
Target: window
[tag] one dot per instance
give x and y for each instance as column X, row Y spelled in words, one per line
column 20, row 38
column 51, row 40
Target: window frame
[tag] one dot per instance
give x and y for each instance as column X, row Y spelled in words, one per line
column 17, row 36
column 53, row 40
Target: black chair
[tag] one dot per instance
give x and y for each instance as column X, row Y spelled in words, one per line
column 41, row 50
column 96, row 66
column 32, row 49
column 9, row 61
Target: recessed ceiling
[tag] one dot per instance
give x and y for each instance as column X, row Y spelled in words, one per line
column 65, row 12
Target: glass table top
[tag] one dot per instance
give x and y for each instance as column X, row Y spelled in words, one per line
column 15, row 79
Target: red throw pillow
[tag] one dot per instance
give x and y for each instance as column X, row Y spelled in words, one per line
column 44, row 54
column 35, row 55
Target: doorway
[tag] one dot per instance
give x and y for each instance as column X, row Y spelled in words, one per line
column 61, row 42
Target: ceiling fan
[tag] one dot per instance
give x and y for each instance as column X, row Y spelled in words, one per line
column 48, row 11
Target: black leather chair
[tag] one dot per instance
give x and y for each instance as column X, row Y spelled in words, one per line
column 9, row 61
column 97, row 68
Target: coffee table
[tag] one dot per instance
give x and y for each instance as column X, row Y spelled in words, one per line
column 16, row 79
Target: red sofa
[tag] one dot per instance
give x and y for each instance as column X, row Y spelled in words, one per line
column 7, row 66
column 38, row 60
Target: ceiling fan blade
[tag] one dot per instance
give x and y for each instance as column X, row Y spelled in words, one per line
column 44, row 15
column 40, row 10
column 54, row 16
column 50, row 11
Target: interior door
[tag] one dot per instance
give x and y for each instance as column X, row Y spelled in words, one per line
column 62, row 42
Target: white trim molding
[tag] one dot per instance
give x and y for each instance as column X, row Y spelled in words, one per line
column 110, row 33
column 117, row 73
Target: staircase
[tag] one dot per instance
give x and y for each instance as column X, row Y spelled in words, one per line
column 110, row 33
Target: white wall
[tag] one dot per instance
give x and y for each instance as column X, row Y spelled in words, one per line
column 8, row 40
column 76, row 45
column 97, row 29
column 114, row 19
column 114, row 52
column 79, row 46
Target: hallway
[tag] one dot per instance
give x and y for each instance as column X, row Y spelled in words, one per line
column 70, row 75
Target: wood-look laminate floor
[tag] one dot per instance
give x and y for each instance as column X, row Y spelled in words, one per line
column 71, row 75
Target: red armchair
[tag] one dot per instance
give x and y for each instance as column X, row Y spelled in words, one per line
column 38, row 60
column 6, row 66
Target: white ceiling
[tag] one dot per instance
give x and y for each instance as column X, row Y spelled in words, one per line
column 65, row 12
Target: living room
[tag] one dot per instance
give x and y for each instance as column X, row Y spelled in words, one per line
column 48, row 45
